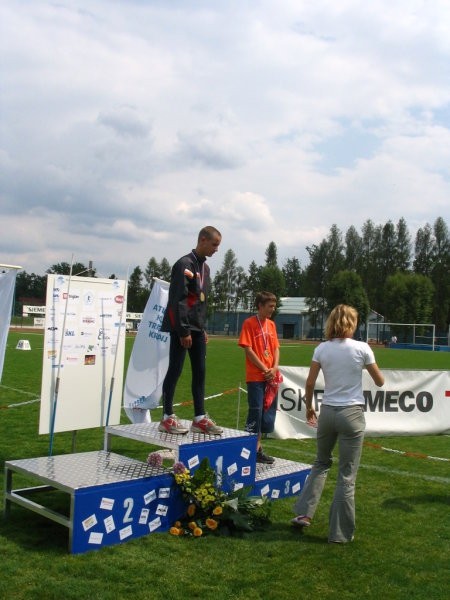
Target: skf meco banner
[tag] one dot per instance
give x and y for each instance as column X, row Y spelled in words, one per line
column 409, row 403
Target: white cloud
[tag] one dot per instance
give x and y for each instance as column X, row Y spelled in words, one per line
column 127, row 126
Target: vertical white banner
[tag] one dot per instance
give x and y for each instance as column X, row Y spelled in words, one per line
column 7, row 282
column 149, row 358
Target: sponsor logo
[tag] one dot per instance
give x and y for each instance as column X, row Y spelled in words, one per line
column 88, row 320
column 102, row 334
column 119, row 299
column 380, row 401
column 88, row 298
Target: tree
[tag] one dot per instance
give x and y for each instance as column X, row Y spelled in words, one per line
column 271, row 279
column 386, row 251
column 165, row 269
column 78, row 269
column 424, row 251
column 315, row 283
column 440, row 274
column 293, row 275
column 408, row 298
column 30, row 288
column 354, row 250
column 402, row 247
column 223, row 281
column 326, row 260
column 229, row 284
column 253, row 284
column 151, row 270
column 346, row 287
column 137, row 294
column 371, row 236
column 229, row 288
column 271, row 255
column 335, row 252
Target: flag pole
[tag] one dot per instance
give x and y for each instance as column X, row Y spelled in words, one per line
column 58, row 378
column 111, row 387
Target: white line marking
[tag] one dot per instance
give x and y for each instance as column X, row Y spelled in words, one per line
column 436, row 479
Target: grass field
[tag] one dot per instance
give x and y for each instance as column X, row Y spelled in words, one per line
column 403, row 527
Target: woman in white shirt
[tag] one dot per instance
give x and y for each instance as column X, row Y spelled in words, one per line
column 341, row 420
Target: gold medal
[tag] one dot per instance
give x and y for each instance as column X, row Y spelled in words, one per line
column 266, row 353
column 202, row 297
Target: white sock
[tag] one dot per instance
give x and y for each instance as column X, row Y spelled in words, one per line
column 199, row 418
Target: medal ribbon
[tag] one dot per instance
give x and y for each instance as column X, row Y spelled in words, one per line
column 265, row 335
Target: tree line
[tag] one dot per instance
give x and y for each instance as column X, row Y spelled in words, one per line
column 379, row 268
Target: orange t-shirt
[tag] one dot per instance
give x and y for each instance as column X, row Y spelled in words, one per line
column 262, row 339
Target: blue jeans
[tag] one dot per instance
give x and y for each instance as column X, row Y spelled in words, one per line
column 197, row 356
column 259, row 420
column 344, row 425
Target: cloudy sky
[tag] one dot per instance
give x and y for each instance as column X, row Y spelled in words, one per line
column 125, row 126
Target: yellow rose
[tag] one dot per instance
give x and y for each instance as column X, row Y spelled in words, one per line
column 211, row 524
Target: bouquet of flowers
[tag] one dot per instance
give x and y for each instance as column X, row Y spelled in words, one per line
column 211, row 510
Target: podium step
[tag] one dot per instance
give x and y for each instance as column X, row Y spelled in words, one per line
column 281, row 479
column 149, row 434
column 232, row 454
column 113, row 498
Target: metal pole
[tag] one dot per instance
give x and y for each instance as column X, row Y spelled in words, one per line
column 55, row 395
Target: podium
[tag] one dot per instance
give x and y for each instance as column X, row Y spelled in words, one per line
column 114, row 498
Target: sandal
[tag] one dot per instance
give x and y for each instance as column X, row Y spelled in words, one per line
column 301, row 521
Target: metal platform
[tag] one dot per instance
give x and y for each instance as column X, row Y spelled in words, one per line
column 281, row 479
column 70, row 472
column 149, row 434
column 280, row 468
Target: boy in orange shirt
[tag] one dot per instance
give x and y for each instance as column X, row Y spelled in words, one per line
column 262, row 352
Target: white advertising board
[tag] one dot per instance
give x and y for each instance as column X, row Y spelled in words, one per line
column 409, row 403
column 84, row 345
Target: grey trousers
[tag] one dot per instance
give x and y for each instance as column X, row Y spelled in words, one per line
column 345, row 425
